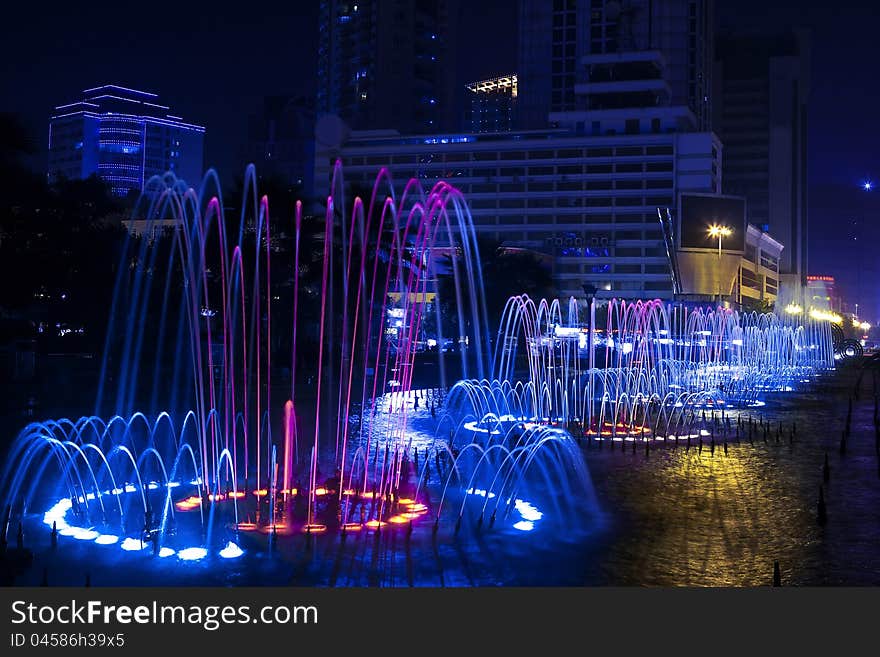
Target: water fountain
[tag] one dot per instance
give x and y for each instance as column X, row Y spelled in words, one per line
column 265, row 378
column 240, row 405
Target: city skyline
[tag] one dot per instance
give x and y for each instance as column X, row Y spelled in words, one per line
column 222, row 95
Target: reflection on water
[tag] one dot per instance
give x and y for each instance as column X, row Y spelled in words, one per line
column 689, row 518
column 671, row 516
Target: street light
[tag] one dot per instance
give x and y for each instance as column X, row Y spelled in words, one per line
column 719, row 231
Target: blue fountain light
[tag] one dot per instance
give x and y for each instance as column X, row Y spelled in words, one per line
column 231, row 551
column 83, row 534
column 133, row 545
column 192, row 554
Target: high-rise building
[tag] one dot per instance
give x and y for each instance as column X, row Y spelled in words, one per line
column 762, row 84
column 125, row 136
column 491, row 104
column 558, row 37
column 281, row 139
column 627, row 137
column 389, row 64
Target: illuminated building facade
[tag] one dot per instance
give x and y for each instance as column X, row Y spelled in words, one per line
column 125, row 136
column 822, row 294
column 491, row 104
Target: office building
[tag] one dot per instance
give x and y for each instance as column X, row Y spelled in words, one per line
column 762, row 86
column 555, row 46
column 590, row 202
column 491, row 104
column 124, row 136
column 389, row 64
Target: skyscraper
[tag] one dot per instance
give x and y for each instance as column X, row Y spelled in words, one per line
column 280, row 139
column 388, row 64
column 553, row 46
column 762, row 87
column 124, row 136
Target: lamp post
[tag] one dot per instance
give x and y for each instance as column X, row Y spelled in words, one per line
column 719, row 231
column 590, row 292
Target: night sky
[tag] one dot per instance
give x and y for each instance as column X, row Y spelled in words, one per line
column 213, row 62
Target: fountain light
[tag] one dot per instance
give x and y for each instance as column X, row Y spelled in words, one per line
column 133, row 545
column 192, row 554
column 188, row 504
column 83, row 534
column 527, row 510
column 107, row 539
column 825, row 316
column 166, row 552
column 231, row 551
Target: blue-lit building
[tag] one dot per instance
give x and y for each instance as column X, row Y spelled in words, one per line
column 125, row 136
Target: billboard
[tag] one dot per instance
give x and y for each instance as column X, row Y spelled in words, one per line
column 699, row 212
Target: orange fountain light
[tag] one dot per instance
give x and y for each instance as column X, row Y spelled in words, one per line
column 188, row 504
